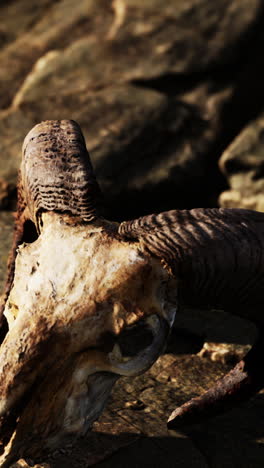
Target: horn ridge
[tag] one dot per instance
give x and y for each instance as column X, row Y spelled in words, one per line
column 56, row 171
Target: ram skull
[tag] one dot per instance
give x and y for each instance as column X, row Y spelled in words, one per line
column 78, row 283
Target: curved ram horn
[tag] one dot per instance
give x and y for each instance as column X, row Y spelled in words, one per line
column 56, row 172
column 217, row 254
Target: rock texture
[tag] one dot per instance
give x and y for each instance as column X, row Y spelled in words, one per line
column 23, row 464
column 178, row 36
column 148, row 82
column 243, row 165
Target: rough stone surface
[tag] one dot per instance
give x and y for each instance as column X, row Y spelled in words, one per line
column 23, row 464
column 159, row 38
column 243, row 165
column 140, row 140
column 97, row 62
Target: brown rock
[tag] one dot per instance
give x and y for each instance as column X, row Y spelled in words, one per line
column 243, row 165
column 12, row 28
column 118, row 118
column 63, row 23
column 83, row 63
column 23, row 464
column 140, row 140
column 157, row 37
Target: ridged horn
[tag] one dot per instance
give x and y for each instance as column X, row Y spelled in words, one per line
column 242, row 382
column 56, row 172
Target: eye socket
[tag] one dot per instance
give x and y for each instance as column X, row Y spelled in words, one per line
column 30, row 232
column 135, row 339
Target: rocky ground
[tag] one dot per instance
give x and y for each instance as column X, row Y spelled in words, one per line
column 170, row 98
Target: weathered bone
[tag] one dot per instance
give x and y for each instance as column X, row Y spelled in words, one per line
column 73, row 286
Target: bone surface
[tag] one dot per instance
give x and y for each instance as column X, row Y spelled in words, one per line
column 73, row 287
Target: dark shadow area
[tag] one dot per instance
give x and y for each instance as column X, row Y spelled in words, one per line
column 235, row 439
column 156, row 452
column 182, row 341
column 163, row 197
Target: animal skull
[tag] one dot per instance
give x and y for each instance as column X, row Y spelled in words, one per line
column 76, row 289
column 79, row 287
